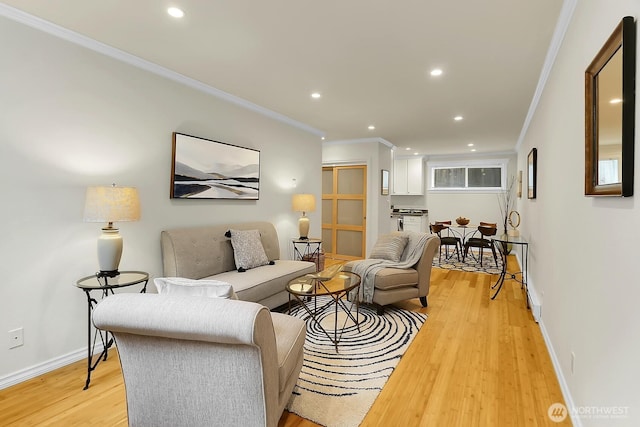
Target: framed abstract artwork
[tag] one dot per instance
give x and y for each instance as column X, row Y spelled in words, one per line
column 206, row 169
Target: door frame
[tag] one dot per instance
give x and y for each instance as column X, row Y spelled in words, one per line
column 366, row 207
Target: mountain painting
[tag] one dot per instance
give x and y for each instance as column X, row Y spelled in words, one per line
column 206, row 169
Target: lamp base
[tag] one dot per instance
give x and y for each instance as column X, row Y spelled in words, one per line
column 109, row 251
column 303, row 227
column 110, row 274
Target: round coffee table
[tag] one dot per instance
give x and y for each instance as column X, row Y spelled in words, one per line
column 305, row 290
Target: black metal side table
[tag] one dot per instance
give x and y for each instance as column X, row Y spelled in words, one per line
column 502, row 244
column 105, row 285
column 307, row 250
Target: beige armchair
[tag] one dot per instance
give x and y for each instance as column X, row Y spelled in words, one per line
column 203, row 361
column 393, row 284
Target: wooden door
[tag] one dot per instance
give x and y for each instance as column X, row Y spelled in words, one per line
column 344, row 207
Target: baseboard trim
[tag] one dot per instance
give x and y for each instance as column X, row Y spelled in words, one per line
column 45, row 367
column 564, row 387
column 534, row 302
column 532, row 295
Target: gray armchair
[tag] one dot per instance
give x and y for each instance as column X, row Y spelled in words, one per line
column 392, row 284
column 203, row 361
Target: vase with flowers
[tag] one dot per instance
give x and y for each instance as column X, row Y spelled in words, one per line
column 506, row 202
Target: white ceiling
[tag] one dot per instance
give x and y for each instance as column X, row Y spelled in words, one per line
column 370, row 60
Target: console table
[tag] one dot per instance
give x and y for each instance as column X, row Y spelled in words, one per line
column 502, row 245
column 105, row 286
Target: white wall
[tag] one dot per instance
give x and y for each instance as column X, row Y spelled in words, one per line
column 584, row 254
column 70, row 118
column 449, row 205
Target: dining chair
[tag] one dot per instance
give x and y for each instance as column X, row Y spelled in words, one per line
column 480, row 239
column 441, row 228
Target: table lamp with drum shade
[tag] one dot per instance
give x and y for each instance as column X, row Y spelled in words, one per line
column 303, row 203
column 111, row 204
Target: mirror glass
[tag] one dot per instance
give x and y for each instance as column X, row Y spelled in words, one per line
column 609, row 127
column 609, row 115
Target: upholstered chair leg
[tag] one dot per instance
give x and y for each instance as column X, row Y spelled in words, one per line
column 379, row 309
column 423, row 301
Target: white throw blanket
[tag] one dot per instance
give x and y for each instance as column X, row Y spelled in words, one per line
column 367, row 268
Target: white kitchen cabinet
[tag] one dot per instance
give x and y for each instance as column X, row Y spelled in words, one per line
column 408, row 178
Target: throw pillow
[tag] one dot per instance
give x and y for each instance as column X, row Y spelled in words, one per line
column 200, row 288
column 389, row 247
column 247, row 249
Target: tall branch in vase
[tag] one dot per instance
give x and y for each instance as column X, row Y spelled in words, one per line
column 506, row 201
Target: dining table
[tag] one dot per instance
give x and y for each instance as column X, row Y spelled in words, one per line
column 462, row 231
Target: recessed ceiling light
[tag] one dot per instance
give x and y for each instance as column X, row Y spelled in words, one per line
column 316, row 95
column 175, row 12
column 322, row 138
column 436, row 72
column 415, row 154
column 615, row 101
column 473, row 149
column 470, row 144
column 371, row 127
column 458, row 118
column 408, row 148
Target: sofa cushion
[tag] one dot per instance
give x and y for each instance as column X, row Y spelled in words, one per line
column 248, row 251
column 262, row 282
column 202, row 288
column 389, row 247
column 391, row 278
column 290, row 334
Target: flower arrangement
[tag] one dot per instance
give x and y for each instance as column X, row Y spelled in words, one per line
column 506, row 201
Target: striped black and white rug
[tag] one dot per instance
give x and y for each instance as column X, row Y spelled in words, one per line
column 338, row 388
column 471, row 263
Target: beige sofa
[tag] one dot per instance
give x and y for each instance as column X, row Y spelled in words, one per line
column 189, row 361
column 206, row 253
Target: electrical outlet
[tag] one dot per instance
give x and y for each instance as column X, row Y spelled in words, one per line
column 573, row 362
column 16, row 338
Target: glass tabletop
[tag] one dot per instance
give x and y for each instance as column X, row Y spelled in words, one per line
column 125, row 278
column 518, row 240
column 309, row 285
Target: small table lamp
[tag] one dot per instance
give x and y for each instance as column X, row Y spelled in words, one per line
column 303, row 203
column 111, row 204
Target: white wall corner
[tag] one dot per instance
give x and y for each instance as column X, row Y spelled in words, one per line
column 568, row 7
column 46, row 367
column 564, row 387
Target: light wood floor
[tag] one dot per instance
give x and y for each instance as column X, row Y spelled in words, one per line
column 475, row 362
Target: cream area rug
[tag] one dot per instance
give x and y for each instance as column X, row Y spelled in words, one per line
column 337, row 389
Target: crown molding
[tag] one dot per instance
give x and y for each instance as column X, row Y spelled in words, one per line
column 361, row 141
column 120, row 55
column 568, row 7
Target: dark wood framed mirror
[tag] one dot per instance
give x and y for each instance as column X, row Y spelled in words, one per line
column 610, row 115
